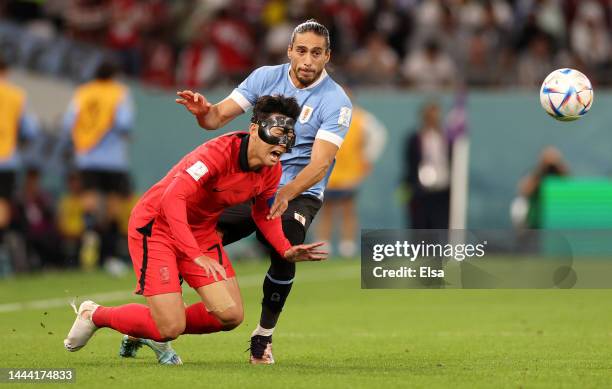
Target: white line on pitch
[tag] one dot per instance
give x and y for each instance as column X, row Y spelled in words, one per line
column 249, row 281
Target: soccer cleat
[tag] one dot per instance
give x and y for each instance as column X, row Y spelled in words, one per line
column 261, row 350
column 83, row 328
column 164, row 352
column 129, row 347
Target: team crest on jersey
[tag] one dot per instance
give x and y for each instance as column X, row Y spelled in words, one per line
column 197, row 170
column 306, row 114
column 344, row 119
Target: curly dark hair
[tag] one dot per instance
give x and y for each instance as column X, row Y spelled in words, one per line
column 268, row 105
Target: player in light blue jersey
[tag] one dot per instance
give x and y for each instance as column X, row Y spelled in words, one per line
column 321, row 127
column 97, row 124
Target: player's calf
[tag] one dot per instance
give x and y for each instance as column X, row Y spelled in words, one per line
column 171, row 330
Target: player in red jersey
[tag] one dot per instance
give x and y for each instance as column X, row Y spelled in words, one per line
column 172, row 233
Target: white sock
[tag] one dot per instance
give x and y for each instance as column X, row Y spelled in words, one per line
column 262, row 331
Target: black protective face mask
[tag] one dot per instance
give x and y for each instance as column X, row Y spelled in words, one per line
column 278, row 130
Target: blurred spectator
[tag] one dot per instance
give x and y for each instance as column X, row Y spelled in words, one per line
column 429, row 69
column 346, row 25
column 35, row 220
column 427, row 169
column 98, row 121
column 233, row 40
column 159, row 64
column 199, row 63
column 71, row 219
column 16, row 127
column 550, row 19
column 590, row 38
column 393, row 20
column 480, row 69
column 147, row 34
column 124, row 29
column 362, row 146
column 375, row 64
column 550, row 164
column 276, row 42
column 536, row 63
column 87, row 20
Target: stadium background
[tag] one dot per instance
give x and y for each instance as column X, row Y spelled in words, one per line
column 54, row 45
column 506, row 125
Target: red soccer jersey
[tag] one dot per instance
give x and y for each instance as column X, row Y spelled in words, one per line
column 187, row 202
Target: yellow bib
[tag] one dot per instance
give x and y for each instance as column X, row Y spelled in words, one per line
column 350, row 160
column 96, row 104
column 11, row 107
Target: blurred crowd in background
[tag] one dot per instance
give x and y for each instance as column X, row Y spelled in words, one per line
column 424, row 44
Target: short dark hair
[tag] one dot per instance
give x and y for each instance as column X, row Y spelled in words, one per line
column 106, row 70
column 268, row 105
column 311, row 25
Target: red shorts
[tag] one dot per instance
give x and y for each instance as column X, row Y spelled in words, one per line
column 158, row 264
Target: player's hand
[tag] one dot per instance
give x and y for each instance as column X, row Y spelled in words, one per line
column 211, row 267
column 306, row 252
column 281, row 202
column 194, row 102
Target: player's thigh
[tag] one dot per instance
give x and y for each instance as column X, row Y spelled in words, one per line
column 168, row 312
column 236, row 223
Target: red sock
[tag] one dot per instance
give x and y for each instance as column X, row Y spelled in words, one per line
column 130, row 319
column 200, row 321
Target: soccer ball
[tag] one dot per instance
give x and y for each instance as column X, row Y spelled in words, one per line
column 566, row 94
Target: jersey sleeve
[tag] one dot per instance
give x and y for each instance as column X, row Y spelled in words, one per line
column 246, row 94
column 336, row 119
column 272, row 230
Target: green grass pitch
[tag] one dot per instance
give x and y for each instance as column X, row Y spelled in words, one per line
column 332, row 334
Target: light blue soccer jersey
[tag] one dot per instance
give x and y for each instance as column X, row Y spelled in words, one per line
column 326, row 114
column 111, row 153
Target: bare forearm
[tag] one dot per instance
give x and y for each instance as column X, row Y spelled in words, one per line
column 210, row 121
column 310, row 175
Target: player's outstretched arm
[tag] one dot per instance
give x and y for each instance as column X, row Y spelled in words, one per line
column 209, row 116
column 306, row 252
column 323, row 154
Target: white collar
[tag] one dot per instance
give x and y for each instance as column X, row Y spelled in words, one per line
column 314, row 84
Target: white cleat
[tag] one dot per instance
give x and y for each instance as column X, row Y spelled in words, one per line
column 83, row 328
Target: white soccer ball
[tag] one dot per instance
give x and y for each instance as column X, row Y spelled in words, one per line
column 566, row 94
